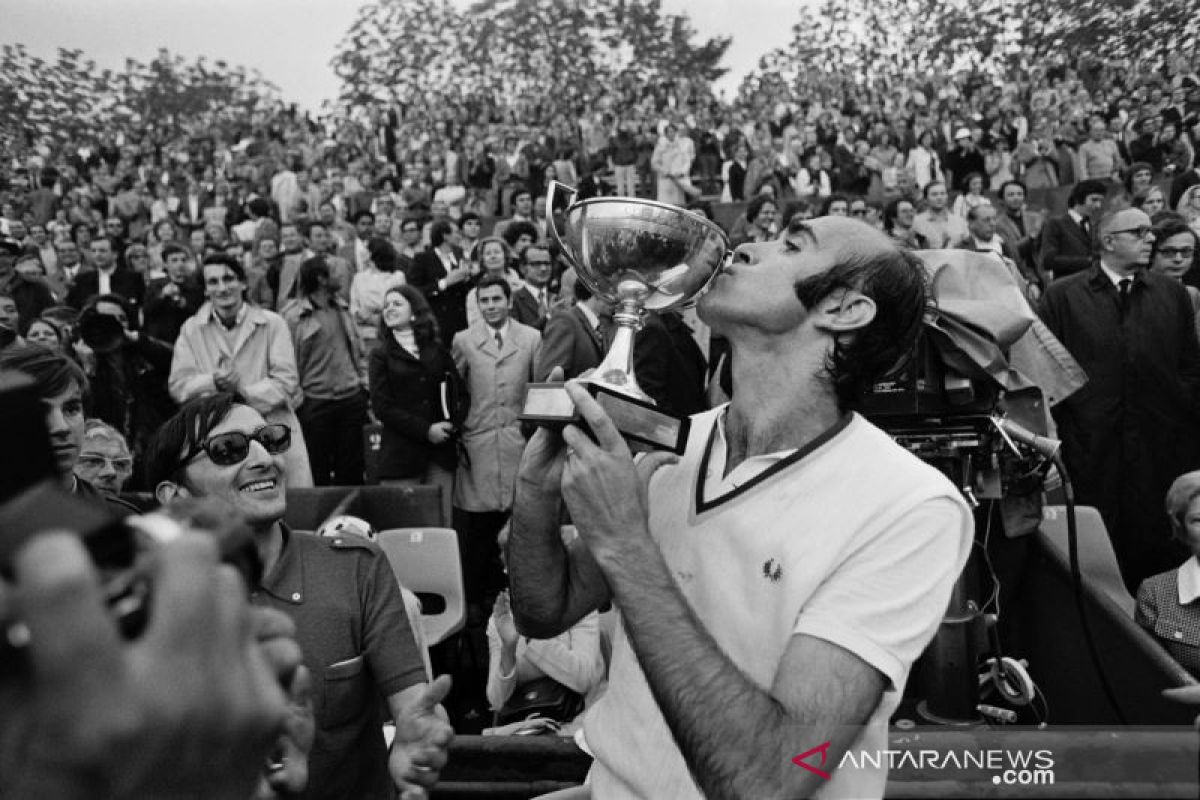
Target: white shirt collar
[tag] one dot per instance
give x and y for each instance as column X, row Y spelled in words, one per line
column 1075, row 215
column 1189, row 581
column 589, row 314
column 502, row 330
column 1115, row 277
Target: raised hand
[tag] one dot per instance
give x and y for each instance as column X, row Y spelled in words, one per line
column 423, row 737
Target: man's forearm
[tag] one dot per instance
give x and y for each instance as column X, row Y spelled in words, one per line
column 537, row 562
column 733, row 734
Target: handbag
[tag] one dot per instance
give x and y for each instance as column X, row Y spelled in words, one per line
column 542, row 697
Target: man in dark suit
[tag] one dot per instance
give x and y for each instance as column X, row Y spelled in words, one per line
column 531, row 303
column 441, row 274
column 108, row 278
column 669, row 366
column 1132, row 429
column 172, row 299
column 574, row 339
column 1067, row 241
column 1020, row 226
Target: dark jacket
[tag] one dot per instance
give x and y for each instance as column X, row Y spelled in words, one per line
column 450, row 304
column 125, row 282
column 1066, row 249
column 163, row 316
column 525, row 308
column 406, row 396
column 669, row 365
column 31, row 298
column 568, row 341
column 1132, row 429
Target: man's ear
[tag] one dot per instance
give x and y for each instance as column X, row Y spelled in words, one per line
column 845, row 311
column 167, row 491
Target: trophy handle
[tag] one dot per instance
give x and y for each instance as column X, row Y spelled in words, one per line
column 551, row 190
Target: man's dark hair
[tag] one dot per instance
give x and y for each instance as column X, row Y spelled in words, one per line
column 171, row 248
column 311, row 270
column 514, row 230
column 756, row 205
column 895, row 280
column 930, row 185
column 407, row 221
column 112, row 242
column 52, row 371
column 183, row 433
column 221, row 259
column 439, row 231
column 76, row 228
column 1012, row 182
column 383, row 254
column 1172, row 226
column 829, row 201
column 536, row 246
column 466, row 217
column 1084, row 188
column 488, row 281
column 519, row 193
column 259, row 207
column 358, row 215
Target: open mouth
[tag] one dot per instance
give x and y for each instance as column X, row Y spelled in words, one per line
column 265, row 485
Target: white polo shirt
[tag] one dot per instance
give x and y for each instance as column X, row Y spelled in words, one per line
column 851, row 539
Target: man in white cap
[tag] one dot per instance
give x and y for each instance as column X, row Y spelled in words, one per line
column 964, row 159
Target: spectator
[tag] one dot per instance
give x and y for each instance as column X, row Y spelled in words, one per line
column 333, row 377
column 1098, row 157
column 936, row 225
column 1133, row 333
column 1166, row 606
column 898, row 218
column 760, row 222
column 417, row 395
column 1021, row 228
column 29, row 296
column 923, row 161
column 495, row 358
column 442, row 274
column 533, row 299
column 1068, row 243
column 108, row 278
column 672, row 162
column 371, row 282
column 341, row 594
column 104, row 459
column 1175, row 255
column 170, row 300
column 964, row 161
column 972, row 195
column 1151, row 200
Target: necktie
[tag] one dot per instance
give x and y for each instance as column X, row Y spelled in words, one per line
column 1123, row 287
column 499, row 341
column 1086, row 224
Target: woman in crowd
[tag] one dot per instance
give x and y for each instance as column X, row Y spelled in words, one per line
column 46, row 333
column 416, row 394
column 923, row 161
column 882, row 163
column 1177, row 152
column 369, row 285
column 898, row 218
column 733, row 173
column 972, row 197
column 1166, row 603
column 760, row 222
column 491, row 256
column 574, row 658
column 1151, row 200
column 1189, row 207
column 813, row 181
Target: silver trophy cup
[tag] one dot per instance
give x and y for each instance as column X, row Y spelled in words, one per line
column 639, row 256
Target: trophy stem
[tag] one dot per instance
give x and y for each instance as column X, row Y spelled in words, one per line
column 616, row 370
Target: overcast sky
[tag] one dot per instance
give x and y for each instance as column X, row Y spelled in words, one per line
column 292, row 41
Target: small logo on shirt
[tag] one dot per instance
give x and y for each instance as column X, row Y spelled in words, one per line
column 772, row 570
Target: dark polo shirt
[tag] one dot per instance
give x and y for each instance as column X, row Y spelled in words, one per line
column 353, row 630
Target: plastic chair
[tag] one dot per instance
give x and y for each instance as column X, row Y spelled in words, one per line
column 1097, row 561
column 425, row 561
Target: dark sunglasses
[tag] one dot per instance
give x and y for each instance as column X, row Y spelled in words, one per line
column 227, row 449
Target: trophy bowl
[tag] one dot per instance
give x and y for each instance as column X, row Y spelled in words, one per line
column 639, row 256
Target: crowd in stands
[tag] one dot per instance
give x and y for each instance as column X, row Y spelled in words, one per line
column 396, row 270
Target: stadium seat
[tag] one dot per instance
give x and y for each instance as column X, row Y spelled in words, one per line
column 1097, row 561
column 426, row 561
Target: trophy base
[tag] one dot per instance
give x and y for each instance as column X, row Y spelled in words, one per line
column 548, row 404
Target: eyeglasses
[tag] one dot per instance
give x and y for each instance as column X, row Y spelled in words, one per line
column 97, row 461
column 858, row 212
column 1177, row 252
column 227, row 449
column 1140, row 232
column 539, row 263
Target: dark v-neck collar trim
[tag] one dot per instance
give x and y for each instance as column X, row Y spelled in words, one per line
column 780, row 465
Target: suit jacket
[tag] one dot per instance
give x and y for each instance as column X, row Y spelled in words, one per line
column 406, row 398
column 496, row 379
column 164, row 316
column 184, row 215
column 125, row 282
column 1133, row 427
column 525, row 308
column 1025, row 245
column 450, row 304
column 669, row 366
column 1066, row 249
column 569, row 341
column 1176, row 626
column 1181, row 184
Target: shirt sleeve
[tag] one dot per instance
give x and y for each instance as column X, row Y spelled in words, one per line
column 885, row 601
column 388, row 640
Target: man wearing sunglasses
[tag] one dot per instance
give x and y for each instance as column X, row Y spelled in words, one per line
column 1132, row 429
column 340, row 593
